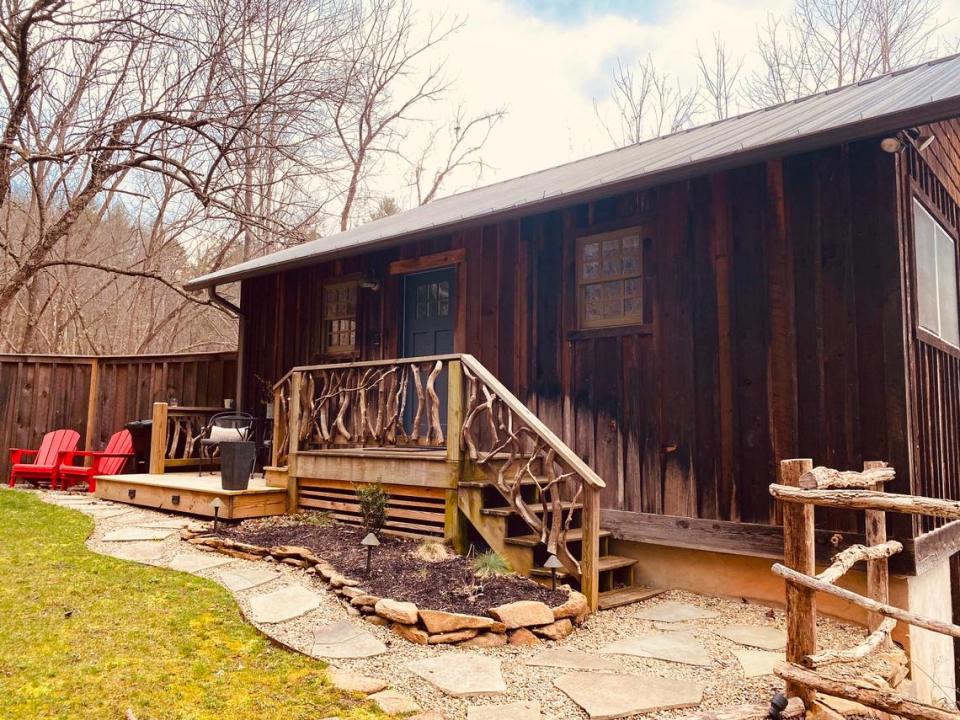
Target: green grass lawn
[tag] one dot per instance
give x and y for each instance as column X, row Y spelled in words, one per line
column 87, row 636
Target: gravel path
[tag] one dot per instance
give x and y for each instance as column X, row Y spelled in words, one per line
column 723, row 681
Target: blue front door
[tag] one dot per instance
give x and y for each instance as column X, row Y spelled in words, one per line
column 429, row 311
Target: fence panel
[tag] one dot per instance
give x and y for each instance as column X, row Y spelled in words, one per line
column 97, row 395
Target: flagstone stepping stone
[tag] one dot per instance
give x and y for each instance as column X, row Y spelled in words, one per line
column 673, row 611
column 756, row 663
column 461, row 674
column 283, row 604
column 106, row 513
column 678, row 647
column 766, row 638
column 606, row 696
column 349, row 681
column 572, row 659
column 246, row 578
column 674, row 626
column 195, row 562
column 171, row 524
column 142, row 552
column 131, row 534
column 394, row 703
column 513, row 711
column 344, row 640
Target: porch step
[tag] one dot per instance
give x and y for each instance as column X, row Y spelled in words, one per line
column 507, row 511
column 532, row 540
column 606, row 564
column 625, row 596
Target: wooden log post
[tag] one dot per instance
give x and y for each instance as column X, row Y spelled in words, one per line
column 799, row 555
column 590, row 560
column 158, row 438
column 277, row 430
column 878, row 570
column 293, row 443
column 454, row 527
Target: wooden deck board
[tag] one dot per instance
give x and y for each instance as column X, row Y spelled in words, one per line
column 191, row 494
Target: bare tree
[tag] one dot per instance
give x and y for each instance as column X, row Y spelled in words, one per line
column 647, row 103
column 719, row 73
column 441, row 158
column 825, row 44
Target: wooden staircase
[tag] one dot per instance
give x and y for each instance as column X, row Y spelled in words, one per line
column 524, row 491
column 502, row 527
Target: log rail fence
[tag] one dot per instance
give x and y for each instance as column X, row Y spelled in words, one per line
column 801, row 488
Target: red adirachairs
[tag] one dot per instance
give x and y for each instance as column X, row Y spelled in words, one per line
column 45, row 459
column 109, row 461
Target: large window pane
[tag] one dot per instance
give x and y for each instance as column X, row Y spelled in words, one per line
column 947, row 286
column 936, row 277
column 928, row 313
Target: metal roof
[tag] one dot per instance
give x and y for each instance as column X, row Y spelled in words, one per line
column 918, row 95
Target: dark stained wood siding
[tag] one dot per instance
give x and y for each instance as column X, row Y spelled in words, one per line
column 773, row 329
column 933, row 177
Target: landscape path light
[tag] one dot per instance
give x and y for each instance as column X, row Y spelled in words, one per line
column 216, row 504
column 553, row 564
column 370, row 542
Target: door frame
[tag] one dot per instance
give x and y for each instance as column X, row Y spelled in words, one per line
column 449, row 258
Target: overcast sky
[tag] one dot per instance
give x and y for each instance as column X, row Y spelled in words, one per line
column 547, row 61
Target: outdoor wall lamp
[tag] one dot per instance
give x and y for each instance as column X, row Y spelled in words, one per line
column 895, row 143
column 370, row 283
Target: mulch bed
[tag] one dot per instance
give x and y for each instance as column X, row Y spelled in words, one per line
column 397, row 572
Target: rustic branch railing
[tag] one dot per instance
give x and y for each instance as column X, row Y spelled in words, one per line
column 398, row 403
column 175, row 435
column 801, row 488
column 501, row 435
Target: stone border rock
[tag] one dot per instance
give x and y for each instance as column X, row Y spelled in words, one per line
column 518, row 623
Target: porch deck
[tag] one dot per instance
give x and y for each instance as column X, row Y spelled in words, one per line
column 191, row 494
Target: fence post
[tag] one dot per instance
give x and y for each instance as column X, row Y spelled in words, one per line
column 93, row 397
column 158, row 438
column 293, row 443
column 878, row 571
column 799, row 554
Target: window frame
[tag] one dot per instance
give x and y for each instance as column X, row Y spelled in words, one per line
column 922, row 333
column 340, row 351
column 624, row 322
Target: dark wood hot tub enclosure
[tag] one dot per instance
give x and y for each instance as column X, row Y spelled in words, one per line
column 766, row 307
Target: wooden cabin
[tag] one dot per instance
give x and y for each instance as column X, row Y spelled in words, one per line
column 678, row 315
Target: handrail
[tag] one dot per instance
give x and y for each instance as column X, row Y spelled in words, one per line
column 367, row 363
column 563, row 451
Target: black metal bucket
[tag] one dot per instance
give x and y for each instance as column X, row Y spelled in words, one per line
column 236, row 464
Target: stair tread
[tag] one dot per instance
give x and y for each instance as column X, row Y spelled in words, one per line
column 606, row 563
column 535, row 507
column 626, row 596
column 532, row 540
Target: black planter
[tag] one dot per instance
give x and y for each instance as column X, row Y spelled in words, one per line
column 236, row 464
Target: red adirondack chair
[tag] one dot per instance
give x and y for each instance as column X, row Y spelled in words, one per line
column 45, row 459
column 109, row 461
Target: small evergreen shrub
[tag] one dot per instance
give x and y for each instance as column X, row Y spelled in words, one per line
column 373, row 506
column 490, row 563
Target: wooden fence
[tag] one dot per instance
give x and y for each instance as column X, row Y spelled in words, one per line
column 801, row 488
column 97, row 395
